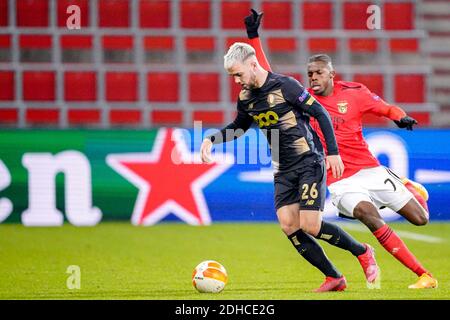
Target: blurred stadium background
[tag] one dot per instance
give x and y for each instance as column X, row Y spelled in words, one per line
column 77, row 106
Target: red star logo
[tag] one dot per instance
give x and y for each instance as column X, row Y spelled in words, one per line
column 170, row 180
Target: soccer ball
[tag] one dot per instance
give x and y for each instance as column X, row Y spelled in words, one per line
column 209, row 276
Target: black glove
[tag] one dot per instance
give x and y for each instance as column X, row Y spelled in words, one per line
column 406, row 122
column 252, row 22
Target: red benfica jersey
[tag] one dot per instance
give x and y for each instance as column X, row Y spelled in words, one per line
column 346, row 106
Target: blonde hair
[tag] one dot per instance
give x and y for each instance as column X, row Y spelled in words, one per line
column 238, row 52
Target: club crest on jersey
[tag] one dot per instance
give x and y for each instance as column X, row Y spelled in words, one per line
column 342, row 106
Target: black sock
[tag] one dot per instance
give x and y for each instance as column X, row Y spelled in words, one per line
column 336, row 236
column 313, row 253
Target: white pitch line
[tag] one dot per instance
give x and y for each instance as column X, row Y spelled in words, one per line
column 403, row 234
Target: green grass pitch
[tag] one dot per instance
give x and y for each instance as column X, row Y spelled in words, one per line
column 121, row 261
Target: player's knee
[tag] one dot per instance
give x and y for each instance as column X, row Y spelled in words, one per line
column 368, row 214
column 421, row 217
column 311, row 228
column 289, row 227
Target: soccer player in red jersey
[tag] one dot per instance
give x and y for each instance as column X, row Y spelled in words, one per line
column 365, row 185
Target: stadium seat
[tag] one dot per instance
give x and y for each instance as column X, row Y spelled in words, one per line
column 327, row 45
column 76, row 48
column 229, row 41
column 38, row 85
column 7, row 86
column 204, row 87
column 4, row 22
column 278, row 15
column 117, row 49
column 167, row 117
column 195, row 14
column 286, row 45
column 317, row 15
column 154, row 14
column 200, row 49
column 404, row 45
column 362, row 45
column 209, row 117
column 83, row 117
column 234, row 90
column 35, row 48
column 162, row 87
column 233, row 13
column 32, row 13
column 121, row 86
column 9, row 116
column 5, row 48
column 159, row 49
column 398, row 16
column 63, row 15
column 114, row 13
column 355, row 15
column 42, row 116
column 409, row 88
column 125, row 116
column 374, row 82
column 80, row 86
column 424, row 118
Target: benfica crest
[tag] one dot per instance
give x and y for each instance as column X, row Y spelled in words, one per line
column 342, row 106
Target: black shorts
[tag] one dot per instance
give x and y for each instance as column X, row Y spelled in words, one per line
column 305, row 185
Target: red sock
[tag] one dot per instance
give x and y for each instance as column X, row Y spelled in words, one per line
column 395, row 246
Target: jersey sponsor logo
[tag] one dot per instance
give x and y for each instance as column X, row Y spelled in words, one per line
column 266, row 119
column 342, row 106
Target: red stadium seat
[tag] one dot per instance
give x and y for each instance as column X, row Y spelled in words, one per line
column 121, row 86
column 125, row 116
column 63, row 15
column 4, row 13
column 374, row 82
column 362, row 45
column 33, row 41
column 114, row 13
column 398, row 16
column 231, row 40
column 7, row 86
column 278, row 15
column 355, row 15
column 154, row 14
column 83, row 116
column 42, row 116
column 9, row 116
column 208, row 116
column 117, row 42
column 317, row 15
column 409, row 88
column 322, row 45
column 235, row 89
column 161, row 43
column 233, row 14
column 424, row 118
column 167, row 117
column 204, row 87
column 80, row 86
column 32, row 13
column 5, row 41
column 76, row 42
column 282, row 44
column 195, row 14
column 404, row 45
column 163, row 87
column 199, row 43
column 38, row 85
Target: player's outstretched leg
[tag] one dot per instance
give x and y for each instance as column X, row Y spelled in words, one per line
column 338, row 237
column 314, row 254
column 391, row 242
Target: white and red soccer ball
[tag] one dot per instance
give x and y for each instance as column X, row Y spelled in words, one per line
column 209, row 277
